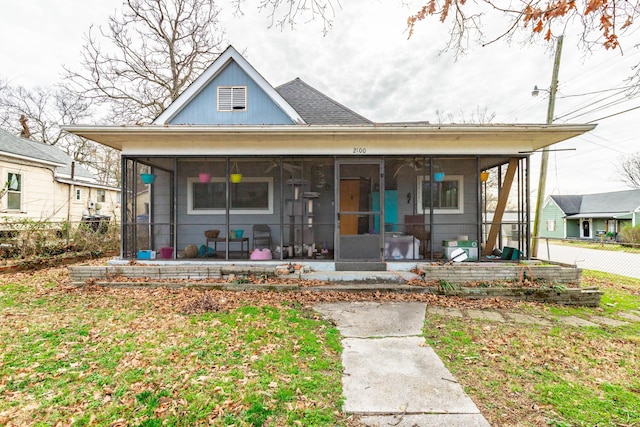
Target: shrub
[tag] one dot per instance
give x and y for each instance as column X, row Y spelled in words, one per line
column 631, row 234
column 26, row 238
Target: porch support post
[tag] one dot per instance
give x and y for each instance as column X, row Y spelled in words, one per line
column 124, row 201
column 174, row 212
column 502, row 204
column 479, row 201
column 528, row 208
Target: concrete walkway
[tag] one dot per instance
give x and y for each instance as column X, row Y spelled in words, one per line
column 501, row 316
column 391, row 376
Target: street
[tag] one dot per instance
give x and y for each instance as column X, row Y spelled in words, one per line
column 625, row 264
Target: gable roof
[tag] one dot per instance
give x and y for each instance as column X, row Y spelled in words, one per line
column 569, row 204
column 332, row 129
column 230, row 54
column 599, row 205
column 316, row 108
column 616, row 202
column 17, row 147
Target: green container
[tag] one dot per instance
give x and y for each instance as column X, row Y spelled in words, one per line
column 460, row 243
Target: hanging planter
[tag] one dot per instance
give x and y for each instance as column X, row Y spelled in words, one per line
column 235, row 175
column 147, row 178
column 484, row 176
column 438, row 176
column 204, row 177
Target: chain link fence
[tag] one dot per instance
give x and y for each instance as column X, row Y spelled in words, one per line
column 616, row 258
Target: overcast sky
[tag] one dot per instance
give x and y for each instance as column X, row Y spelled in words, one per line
column 367, row 63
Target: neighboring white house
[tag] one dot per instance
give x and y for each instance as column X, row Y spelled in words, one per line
column 41, row 182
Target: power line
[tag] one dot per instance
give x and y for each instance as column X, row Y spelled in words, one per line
column 609, row 62
column 599, row 146
column 597, row 91
column 614, row 114
column 595, row 109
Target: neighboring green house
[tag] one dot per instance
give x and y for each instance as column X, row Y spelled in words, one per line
column 590, row 215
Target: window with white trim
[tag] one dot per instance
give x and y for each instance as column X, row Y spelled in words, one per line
column 232, row 98
column 551, row 225
column 254, row 195
column 14, row 191
column 448, row 195
column 78, row 195
column 101, row 195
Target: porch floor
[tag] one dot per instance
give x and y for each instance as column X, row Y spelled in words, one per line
column 397, row 272
column 524, row 280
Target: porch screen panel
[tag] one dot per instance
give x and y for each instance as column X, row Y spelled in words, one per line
column 209, row 196
column 244, row 195
column 129, row 190
column 252, row 195
column 445, row 195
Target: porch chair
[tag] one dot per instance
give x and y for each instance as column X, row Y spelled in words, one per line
column 261, row 236
column 414, row 225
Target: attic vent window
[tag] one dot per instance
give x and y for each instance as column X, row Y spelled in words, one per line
column 232, row 98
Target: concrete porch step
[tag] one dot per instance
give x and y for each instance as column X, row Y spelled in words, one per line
column 361, row 277
column 360, row 266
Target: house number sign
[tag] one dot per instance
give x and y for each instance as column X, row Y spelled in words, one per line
column 359, row 150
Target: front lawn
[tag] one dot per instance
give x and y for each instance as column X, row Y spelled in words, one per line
column 120, row 357
column 152, row 357
column 531, row 375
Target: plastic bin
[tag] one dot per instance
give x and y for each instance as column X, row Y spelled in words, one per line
column 166, row 252
column 146, row 254
column 511, row 254
column 469, row 246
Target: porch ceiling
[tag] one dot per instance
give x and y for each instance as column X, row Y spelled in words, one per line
column 379, row 139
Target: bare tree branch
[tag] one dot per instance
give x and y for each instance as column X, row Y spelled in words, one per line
column 629, row 170
column 286, row 13
column 45, row 111
column 146, row 56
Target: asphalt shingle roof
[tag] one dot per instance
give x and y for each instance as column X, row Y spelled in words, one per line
column 591, row 204
column 16, row 145
column 316, row 108
column 619, row 201
column 569, row 204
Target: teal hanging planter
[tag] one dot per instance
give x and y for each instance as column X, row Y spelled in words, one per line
column 147, row 178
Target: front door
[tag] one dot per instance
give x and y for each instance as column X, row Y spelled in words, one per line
column 358, row 214
column 586, row 228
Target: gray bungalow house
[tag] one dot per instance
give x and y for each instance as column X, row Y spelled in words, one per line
column 591, row 215
column 244, row 171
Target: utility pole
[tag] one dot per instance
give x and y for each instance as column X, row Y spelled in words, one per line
column 542, row 182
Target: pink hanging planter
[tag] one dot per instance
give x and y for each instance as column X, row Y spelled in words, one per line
column 204, row 177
